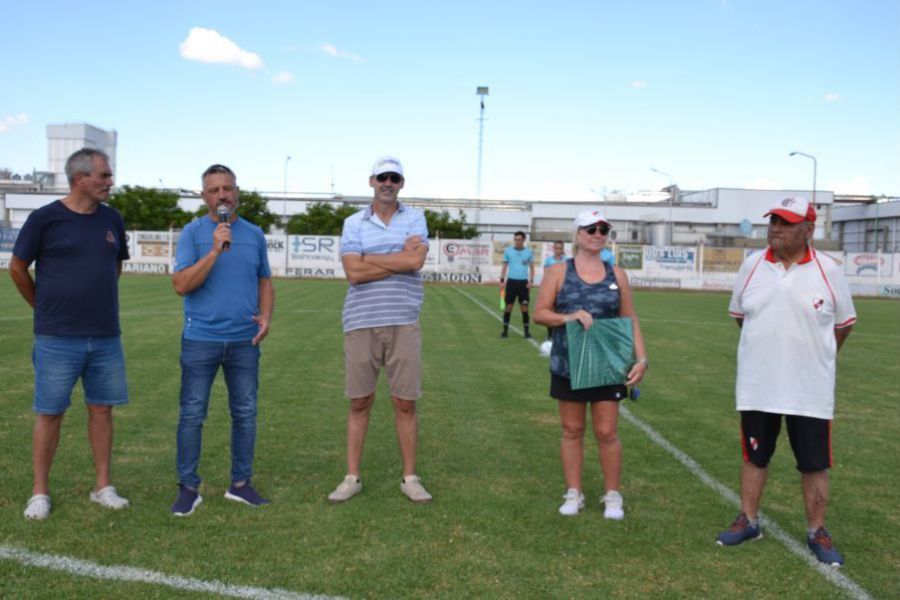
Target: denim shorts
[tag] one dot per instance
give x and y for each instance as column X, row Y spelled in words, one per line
column 60, row 360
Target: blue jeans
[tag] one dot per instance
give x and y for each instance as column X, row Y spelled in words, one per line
column 200, row 361
column 60, row 360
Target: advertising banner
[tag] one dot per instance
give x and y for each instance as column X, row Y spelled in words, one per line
column 8, row 238
column 654, row 282
column 146, row 268
column 670, row 258
column 277, row 252
column 465, row 256
column 869, row 264
column 152, row 247
column 722, row 260
column 314, row 256
column 630, row 256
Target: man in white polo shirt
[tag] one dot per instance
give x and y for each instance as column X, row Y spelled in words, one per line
column 794, row 308
column 382, row 249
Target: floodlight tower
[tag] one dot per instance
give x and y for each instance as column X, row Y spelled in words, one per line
column 481, row 91
column 287, row 159
column 815, row 171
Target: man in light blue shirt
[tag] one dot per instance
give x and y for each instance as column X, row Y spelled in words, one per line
column 383, row 247
column 518, row 263
column 222, row 270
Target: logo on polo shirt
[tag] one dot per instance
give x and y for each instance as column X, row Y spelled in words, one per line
column 818, row 303
column 110, row 237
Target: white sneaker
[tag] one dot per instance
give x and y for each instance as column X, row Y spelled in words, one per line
column 38, row 507
column 613, row 502
column 412, row 487
column 349, row 487
column 109, row 498
column 574, row 502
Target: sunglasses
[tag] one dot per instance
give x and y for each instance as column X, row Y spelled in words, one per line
column 394, row 177
column 592, row 229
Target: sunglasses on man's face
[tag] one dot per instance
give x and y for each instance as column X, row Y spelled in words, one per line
column 592, row 229
column 394, row 177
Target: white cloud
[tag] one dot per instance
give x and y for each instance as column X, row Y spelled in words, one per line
column 210, row 46
column 10, row 122
column 283, row 77
column 331, row 50
column 833, row 97
column 638, row 84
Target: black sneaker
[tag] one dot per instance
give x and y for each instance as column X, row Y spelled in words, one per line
column 505, row 334
column 245, row 494
column 186, row 501
column 822, row 546
column 740, row 531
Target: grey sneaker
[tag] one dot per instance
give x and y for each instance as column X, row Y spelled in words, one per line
column 411, row 486
column 349, row 487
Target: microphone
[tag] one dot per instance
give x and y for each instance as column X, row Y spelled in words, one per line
column 224, row 215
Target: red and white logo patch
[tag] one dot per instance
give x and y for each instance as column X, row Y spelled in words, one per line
column 818, row 303
column 754, row 443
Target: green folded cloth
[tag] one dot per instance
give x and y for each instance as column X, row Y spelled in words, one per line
column 602, row 355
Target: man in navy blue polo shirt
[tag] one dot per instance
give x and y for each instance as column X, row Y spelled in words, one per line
column 222, row 270
column 78, row 245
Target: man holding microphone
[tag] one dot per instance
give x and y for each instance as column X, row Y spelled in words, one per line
column 222, row 271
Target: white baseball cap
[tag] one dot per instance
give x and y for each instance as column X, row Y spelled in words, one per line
column 588, row 217
column 387, row 164
column 793, row 209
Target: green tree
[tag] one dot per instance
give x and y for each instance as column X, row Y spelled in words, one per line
column 149, row 209
column 253, row 208
column 441, row 225
column 320, row 218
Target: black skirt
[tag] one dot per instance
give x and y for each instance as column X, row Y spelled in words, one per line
column 561, row 389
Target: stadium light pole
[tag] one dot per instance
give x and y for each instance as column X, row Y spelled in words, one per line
column 815, row 169
column 671, row 194
column 481, row 91
column 287, row 159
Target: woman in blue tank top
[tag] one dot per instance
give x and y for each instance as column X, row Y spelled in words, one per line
column 585, row 288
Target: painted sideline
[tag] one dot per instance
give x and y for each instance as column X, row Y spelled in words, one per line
column 85, row 568
column 771, row 526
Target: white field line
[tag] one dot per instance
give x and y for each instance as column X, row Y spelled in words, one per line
column 853, row 589
column 83, row 568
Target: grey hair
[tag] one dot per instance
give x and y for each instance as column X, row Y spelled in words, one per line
column 214, row 169
column 82, row 162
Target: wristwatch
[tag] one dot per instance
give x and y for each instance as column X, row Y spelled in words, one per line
column 643, row 360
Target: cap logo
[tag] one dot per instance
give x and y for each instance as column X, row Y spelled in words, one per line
column 788, row 202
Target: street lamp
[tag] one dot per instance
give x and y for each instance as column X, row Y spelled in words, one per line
column 815, row 168
column 828, row 208
column 481, row 91
column 671, row 195
column 287, row 159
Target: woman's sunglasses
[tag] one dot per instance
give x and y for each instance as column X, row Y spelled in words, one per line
column 394, row 177
column 592, row 229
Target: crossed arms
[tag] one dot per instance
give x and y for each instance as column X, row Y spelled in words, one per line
column 373, row 267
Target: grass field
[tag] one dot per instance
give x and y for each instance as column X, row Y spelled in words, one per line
column 488, row 452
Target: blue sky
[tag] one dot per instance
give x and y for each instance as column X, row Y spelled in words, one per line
column 583, row 95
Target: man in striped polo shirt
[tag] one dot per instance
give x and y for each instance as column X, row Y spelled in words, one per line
column 382, row 249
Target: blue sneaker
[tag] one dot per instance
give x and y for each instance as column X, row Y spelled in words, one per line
column 741, row 530
column 186, row 501
column 822, row 546
column 245, row 494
